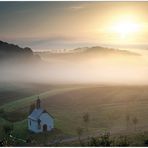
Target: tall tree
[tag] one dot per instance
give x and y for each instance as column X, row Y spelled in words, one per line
column 7, row 130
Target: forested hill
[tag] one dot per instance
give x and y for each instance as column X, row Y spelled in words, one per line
column 15, row 53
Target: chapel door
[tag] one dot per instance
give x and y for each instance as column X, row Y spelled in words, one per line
column 44, row 127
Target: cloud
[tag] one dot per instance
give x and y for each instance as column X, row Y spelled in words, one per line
column 84, row 5
column 80, row 6
column 75, row 8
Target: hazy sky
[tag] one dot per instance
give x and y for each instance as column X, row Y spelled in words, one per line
column 57, row 25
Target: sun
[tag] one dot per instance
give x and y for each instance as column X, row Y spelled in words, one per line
column 126, row 28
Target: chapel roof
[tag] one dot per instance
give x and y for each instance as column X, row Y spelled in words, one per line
column 36, row 113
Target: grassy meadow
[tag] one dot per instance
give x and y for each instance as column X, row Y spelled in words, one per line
column 107, row 106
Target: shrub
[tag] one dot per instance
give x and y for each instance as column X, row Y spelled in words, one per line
column 103, row 140
column 122, row 141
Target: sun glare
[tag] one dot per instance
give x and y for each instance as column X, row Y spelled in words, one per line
column 124, row 29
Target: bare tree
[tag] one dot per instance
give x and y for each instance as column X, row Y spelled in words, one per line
column 80, row 132
column 135, row 121
column 86, row 120
column 127, row 121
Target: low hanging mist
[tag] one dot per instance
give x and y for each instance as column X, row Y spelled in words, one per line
column 94, row 65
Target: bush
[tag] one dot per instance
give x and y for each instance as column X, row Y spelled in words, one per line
column 7, row 128
column 2, row 113
column 146, row 142
column 122, row 141
column 103, row 140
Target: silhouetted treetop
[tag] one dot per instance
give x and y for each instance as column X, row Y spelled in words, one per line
column 12, row 51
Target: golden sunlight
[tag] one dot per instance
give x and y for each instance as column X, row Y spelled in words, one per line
column 126, row 28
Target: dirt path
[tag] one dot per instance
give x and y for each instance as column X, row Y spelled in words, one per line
column 121, row 132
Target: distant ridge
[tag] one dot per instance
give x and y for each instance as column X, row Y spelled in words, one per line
column 12, row 52
column 105, row 50
column 90, row 50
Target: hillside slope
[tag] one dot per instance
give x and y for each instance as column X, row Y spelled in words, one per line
column 11, row 52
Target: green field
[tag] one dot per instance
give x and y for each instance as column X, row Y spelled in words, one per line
column 107, row 106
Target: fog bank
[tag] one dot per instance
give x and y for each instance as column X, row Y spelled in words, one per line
column 75, row 69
